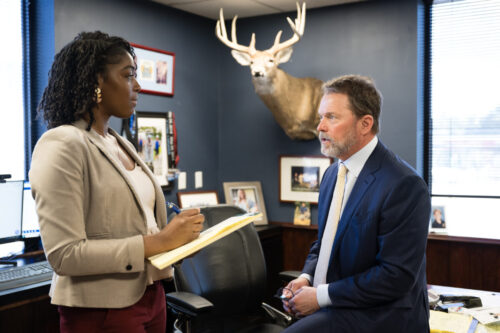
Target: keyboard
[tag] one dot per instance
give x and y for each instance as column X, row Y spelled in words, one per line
column 20, row 276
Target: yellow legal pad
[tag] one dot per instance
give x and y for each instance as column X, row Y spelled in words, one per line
column 207, row 237
column 442, row 322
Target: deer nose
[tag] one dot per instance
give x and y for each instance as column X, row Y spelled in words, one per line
column 258, row 74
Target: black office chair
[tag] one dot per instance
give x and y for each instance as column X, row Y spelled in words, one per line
column 221, row 288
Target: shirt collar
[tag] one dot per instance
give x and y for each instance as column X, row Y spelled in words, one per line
column 357, row 161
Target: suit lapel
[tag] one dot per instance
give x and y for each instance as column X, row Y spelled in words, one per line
column 357, row 193
column 365, row 179
column 97, row 141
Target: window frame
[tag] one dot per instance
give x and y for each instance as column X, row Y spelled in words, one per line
column 427, row 127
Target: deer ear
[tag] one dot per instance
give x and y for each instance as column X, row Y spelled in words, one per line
column 284, row 55
column 241, row 57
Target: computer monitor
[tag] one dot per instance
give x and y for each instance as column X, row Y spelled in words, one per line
column 30, row 227
column 11, row 208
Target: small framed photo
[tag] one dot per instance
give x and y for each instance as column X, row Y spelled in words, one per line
column 155, row 70
column 151, row 143
column 300, row 177
column 248, row 196
column 197, row 199
column 302, row 214
column 438, row 220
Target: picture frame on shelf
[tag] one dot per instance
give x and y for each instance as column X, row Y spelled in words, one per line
column 151, row 142
column 248, row 196
column 197, row 199
column 300, row 177
column 155, row 70
column 438, row 222
column 302, row 213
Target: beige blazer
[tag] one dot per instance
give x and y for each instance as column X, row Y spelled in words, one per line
column 91, row 218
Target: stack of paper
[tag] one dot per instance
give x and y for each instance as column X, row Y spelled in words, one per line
column 207, row 237
column 485, row 315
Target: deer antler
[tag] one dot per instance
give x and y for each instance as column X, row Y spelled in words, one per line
column 220, row 31
column 298, row 31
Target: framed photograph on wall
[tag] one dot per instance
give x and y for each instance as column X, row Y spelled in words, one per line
column 151, row 142
column 197, row 199
column 300, row 177
column 248, row 196
column 438, row 220
column 155, row 70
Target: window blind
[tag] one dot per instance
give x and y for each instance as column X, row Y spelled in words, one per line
column 465, row 98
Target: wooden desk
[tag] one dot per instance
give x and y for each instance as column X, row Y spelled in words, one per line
column 460, row 323
column 27, row 309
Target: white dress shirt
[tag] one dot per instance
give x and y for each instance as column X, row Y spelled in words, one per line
column 354, row 165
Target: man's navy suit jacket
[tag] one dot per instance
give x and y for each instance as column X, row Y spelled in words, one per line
column 377, row 265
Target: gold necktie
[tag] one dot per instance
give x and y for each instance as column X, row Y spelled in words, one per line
column 339, row 195
column 330, row 228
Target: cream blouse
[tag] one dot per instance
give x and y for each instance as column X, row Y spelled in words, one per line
column 144, row 188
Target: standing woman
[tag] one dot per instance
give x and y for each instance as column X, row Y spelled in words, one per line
column 101, row 211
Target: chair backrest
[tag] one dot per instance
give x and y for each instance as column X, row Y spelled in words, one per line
column 230, row 273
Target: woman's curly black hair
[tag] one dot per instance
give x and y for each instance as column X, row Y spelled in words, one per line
column 70, row 93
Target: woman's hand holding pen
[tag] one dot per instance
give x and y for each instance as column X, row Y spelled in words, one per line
column 183, row 228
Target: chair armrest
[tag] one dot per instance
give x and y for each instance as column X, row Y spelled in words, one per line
column 288, row 276
column 277, row 316
column 188, row 303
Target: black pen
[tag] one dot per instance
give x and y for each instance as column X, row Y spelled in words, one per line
column 173, row 206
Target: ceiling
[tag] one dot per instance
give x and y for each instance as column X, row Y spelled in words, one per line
column 244, row 8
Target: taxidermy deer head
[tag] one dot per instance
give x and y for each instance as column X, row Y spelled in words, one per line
column 293, row 101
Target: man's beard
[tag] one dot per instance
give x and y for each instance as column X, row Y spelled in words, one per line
column 336, row 148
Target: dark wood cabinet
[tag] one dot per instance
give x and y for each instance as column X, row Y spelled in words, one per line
column 462, row 262
column 29, row 311
column 297, row 241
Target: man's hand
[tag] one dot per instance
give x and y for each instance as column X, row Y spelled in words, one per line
column 290, row 290
column 304, row 302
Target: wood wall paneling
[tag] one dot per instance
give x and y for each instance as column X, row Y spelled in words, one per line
column 460, row 262
column 463, row 262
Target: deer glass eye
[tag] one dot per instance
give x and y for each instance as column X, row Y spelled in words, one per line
column 271, row 60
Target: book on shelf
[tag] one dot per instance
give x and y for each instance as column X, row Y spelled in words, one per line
column 206, row 238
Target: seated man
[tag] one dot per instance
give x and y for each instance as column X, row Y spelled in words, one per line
column 366, row 270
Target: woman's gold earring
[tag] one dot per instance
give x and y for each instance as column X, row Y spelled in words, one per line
column 98, row 95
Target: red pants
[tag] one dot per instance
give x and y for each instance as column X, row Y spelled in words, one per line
column 147, row 315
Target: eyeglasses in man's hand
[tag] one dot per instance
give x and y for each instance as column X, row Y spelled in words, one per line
column 284, row 294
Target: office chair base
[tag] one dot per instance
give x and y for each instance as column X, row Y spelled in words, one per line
column 179, row 327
